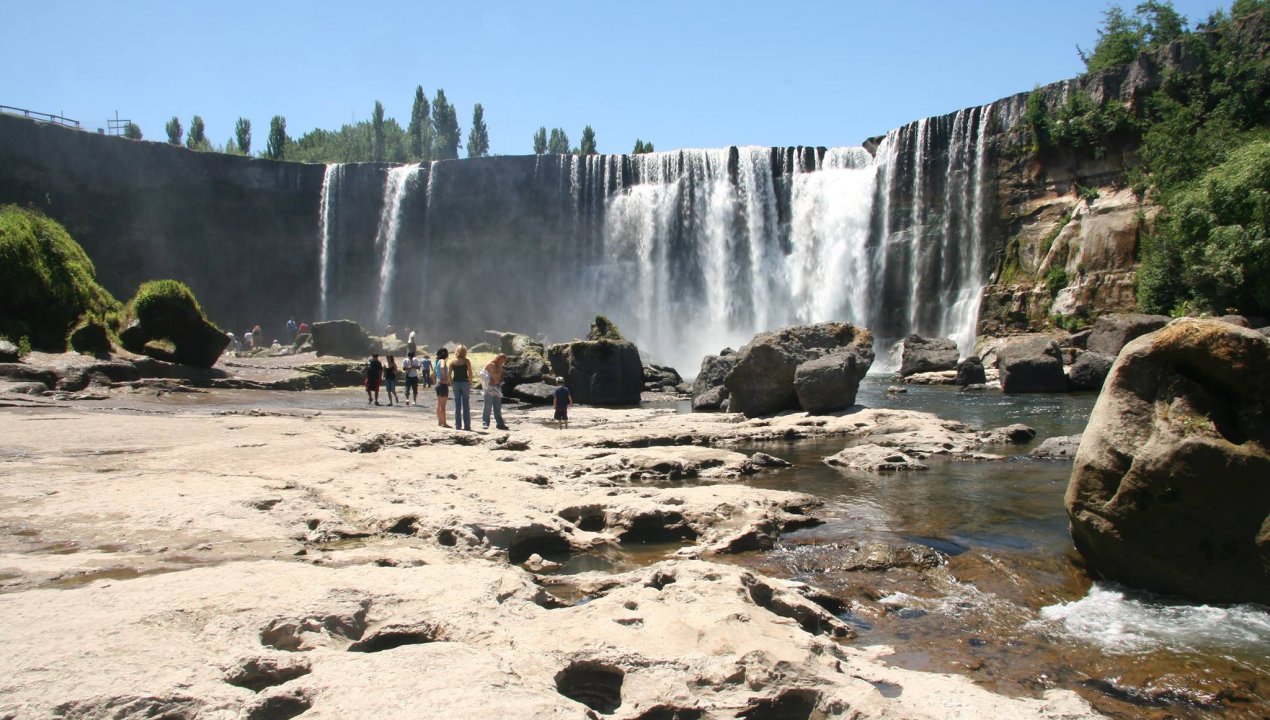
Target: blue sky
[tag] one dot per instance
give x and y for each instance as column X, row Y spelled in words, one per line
column 679, row 74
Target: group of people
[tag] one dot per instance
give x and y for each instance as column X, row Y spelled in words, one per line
column 255, row 337
column 451, row 376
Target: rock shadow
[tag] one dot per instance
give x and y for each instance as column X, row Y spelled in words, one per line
column 592, row 683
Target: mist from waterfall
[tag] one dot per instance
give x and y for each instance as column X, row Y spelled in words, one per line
column 396, row 188
column 330, row 190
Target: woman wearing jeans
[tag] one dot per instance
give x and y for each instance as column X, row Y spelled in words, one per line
column 461, row 383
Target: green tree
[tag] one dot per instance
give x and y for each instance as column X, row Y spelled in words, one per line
column 420, row 130
column 540, row 141
column 231, row 148
column 478, row 136
column 174, row 130
column 588, row 141
column 132, row 131
column 447, row 136
column 197, row 138
column 242, row 131
column 276, row 149
column 1119, row 41
column 377, row 132
column 1159, row 22
column 642, row 147
column 558, row 143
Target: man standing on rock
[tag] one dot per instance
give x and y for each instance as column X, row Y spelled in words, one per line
column 412, row 365
column 492, row 383
column 374, row 373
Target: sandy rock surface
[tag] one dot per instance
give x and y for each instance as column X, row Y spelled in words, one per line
column 238, row 554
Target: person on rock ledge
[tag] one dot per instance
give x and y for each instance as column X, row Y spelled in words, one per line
column 443, row 386
column 374, row 372
column 492, row 384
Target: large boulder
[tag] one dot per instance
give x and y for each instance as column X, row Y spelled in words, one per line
column 8, row 352
column 762, row 380
column 341, row 338
column 922, row 354
column 1031, row 364
column 829, row 383
column 1113, row 331
column 708, row 391
column 970, row 372
column 1170, row 490
column 168, row 324
column 661, row 378
column 599, row 372
column 1089, row 371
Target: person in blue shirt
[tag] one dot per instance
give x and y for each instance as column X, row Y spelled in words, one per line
column 562, row 400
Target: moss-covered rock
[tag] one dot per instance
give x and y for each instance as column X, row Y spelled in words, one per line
column 47, row 282
column 165, row 312
column 91, row 337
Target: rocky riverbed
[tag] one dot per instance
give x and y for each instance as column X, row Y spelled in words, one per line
column 239, row 553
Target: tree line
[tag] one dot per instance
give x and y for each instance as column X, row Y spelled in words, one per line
column 433, row 133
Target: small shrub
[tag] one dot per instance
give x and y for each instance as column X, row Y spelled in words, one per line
column 1056, row 279
column 165, row 307
column 604, row 329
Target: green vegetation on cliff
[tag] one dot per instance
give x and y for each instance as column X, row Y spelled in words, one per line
column 47, row 281
column 165, row 306
column 1201, row 144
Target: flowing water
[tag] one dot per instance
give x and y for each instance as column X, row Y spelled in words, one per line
column 1009, row 606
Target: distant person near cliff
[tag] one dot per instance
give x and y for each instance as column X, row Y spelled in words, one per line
column 562, row 399
column 374, row 372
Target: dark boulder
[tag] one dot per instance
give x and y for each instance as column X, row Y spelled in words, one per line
column 513, row 343
column 1170, row 490
column 168, row 324
column 1239, row 320
column 530, row 367
column 661, row 378
column 341, row 338
column 1113, row 331
column 599, row 372
column 970, row 372
column 762, row 380
column 1089, row 371
column 922, row 354
column 828, row 384
column 8, row 352
column 537, row 393
column 708, row 391
column 1031, row 364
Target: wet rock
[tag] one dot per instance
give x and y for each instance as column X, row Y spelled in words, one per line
column 334, row 373
column 1015, row 434
column 716, row 398
column 922, row 355
column 761, row 460
column 828, row 383
column 874, row 458
column 974, row 387
column 1170, row 490
column 661, row 377
column 1057, row 448
column 1113, row 331
column 341, row 338
column 1089, row 371
column 1031, row 364
column 970, row 372
column 880, row 556
column 938, row 377
column 21, row 372
column 762, row 381
column 896, row 390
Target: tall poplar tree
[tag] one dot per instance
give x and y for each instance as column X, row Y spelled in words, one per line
column 174, row 130
column 277, row 147
column 445, row 126
column 377, row 133
column 540, row 141
column 197, row 138
column 478, row 136
column 242, row 131
column 420, row 131
column 558, row 143
column 588, row 141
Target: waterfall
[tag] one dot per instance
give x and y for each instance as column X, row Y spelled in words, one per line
column 688, row 251
column 396, row 187
column 330, row 191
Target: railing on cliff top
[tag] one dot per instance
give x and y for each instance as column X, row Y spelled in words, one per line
column 42, row 117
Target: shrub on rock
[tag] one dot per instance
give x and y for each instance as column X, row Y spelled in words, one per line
column 1170, row 490
column 47, row 281
column 165, row 313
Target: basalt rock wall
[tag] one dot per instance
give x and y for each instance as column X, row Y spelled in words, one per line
column 240, row 232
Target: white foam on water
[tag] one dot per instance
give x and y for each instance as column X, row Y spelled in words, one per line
column 1122, row 623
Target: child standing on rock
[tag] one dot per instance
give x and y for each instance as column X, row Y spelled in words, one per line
column 562, row 400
